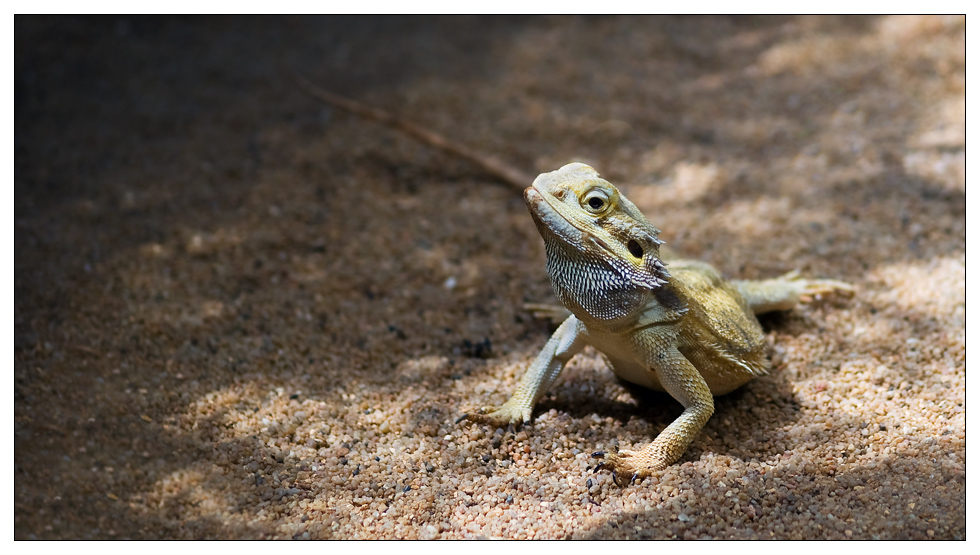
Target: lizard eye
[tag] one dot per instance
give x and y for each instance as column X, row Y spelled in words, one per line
column 596, row 200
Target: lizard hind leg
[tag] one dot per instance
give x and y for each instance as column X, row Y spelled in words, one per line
column 787, row 291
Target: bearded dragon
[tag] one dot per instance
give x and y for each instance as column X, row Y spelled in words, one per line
column 686, row 331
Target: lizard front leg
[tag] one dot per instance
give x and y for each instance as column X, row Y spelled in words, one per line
column 567, row 340
column 683, row 382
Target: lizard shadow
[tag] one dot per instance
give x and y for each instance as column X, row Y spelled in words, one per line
column 738, row 427
column 741, row 418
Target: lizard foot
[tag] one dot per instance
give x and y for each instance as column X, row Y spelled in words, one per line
column 556, row 314
column 629, row 466
column 499, row 417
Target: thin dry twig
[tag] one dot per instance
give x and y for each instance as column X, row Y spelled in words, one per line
column 87, row 350
column 490, row 164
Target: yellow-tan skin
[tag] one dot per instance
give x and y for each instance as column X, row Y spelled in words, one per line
column 688, row 332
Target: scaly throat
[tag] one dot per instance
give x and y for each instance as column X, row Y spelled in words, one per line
column 589, row 284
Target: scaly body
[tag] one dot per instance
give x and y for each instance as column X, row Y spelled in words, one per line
column 686, row 332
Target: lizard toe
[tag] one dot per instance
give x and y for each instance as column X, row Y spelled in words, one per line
column 624, row 463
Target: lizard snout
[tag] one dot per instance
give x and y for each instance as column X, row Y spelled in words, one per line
column 531, row 195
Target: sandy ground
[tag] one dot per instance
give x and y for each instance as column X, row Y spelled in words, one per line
column 241, row 314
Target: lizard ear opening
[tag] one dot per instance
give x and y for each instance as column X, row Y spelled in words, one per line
column 635, row 249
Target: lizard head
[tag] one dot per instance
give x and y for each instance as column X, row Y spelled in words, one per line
column 603, row 254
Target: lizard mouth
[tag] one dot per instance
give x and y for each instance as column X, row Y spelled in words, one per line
column 546, row 210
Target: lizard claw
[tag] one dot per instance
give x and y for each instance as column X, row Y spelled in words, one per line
column 616, row 464
column 626, row 463
column 808, row 289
